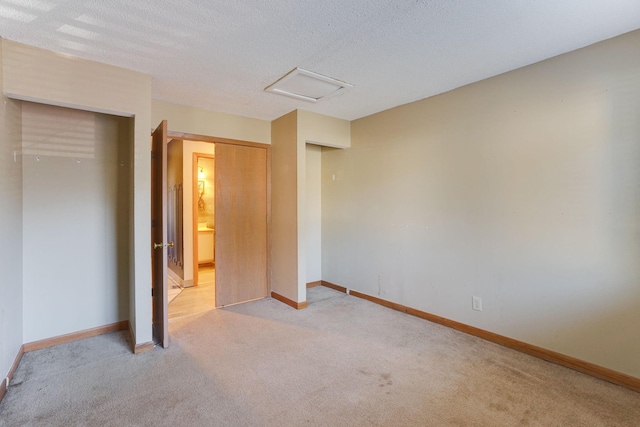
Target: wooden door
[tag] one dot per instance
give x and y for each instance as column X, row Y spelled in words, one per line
column 241, row 224
column 159, row 235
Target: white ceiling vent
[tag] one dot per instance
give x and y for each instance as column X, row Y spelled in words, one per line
column 307, row 85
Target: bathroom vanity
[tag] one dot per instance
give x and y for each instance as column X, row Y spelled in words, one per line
column 206, row 244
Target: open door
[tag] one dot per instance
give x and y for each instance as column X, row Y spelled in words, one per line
column 159, row 235
column 241, row 224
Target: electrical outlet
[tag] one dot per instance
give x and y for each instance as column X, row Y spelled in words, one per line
column 476, row 303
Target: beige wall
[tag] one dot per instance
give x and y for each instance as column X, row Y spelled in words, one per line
column 521, row 189
column 313, row 213
column 11, row 324
column 294, row 231
column 313, row 131
column 38, row 75
column 318, row 129
column 197, row 121
column 284, row 208
column 76, row 186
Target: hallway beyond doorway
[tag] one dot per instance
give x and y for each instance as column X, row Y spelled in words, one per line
column 196, row 299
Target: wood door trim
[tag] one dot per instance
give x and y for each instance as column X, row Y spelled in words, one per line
column 194, row 209
column 159, row 268
column 268, row 249
column 194, row 215
column 267, row 147
column 215, row 139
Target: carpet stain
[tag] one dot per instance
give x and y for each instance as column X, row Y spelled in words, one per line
column 499, row 407
column 437, row 377
column 385, row 380
column 525, row 420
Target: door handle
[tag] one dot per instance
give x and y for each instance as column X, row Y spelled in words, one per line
column 160, row 245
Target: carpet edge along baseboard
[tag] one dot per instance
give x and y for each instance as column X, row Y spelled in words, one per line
column 3, row 388
column 122, row 325
column 290, row 303
column 334, row 286
column 138, row 348
column 16, row 362
column 74, row 336
column 588, row 368
column 4, row 385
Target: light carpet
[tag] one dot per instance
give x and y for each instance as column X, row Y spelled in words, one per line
column 342, row 361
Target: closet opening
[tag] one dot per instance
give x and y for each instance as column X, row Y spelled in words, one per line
column 77, row 174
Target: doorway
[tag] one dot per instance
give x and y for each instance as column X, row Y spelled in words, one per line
column 196, row 289
column 175, row 218
column 204, row 220
column 239, row 264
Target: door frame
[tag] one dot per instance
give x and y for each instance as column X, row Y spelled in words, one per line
column 267, row 147
column 194, row 210
column 158, row 188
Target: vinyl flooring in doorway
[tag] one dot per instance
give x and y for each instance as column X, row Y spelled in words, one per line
column 174, row 288
column 196, row 299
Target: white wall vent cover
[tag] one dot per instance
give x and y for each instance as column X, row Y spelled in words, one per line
column 307, row 85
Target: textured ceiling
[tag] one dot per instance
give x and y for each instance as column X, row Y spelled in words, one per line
column 220, row 55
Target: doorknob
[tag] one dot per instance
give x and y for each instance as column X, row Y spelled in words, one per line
column 160, row 245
